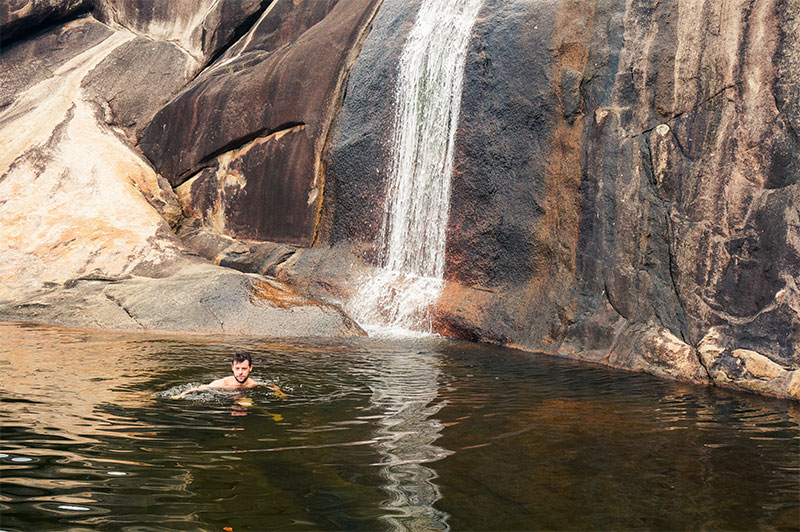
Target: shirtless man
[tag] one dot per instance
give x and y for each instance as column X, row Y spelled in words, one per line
column 241, row 366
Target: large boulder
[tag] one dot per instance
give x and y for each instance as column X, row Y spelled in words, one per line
column 244, row 138
column 85, row 221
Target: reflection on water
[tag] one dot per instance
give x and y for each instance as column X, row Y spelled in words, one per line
column 406, row 391
column 375, row 435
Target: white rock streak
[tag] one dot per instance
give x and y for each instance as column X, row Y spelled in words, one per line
column 70, row 187
column 30, row 120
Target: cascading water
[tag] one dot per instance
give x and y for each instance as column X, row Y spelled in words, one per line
column 397, row 297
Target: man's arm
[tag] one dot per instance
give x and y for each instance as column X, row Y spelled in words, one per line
column 191, row 390
column 277, row 391
column 219, row 383
column 274, row 387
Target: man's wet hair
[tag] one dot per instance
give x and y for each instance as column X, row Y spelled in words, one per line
column 241, row 356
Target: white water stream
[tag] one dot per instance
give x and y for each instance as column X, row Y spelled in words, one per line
column 398, row 296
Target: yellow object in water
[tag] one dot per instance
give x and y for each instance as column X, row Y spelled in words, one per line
column 245, row 402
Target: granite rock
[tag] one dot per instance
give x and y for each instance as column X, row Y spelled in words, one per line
column 248, row 133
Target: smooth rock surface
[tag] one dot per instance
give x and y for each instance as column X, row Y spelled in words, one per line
column 250, row 130
column 85, row 220
column 201, row 298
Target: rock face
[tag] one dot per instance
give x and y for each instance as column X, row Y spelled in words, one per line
column 624, row 184
column 244, row 138
column 85, row 221
column 625, row 188
column 202, row 28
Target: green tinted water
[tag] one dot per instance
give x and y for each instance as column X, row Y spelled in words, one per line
column 375, row 435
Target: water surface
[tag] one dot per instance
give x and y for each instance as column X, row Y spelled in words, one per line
column 406, row 434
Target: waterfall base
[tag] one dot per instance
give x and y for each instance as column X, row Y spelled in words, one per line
column 394, row 303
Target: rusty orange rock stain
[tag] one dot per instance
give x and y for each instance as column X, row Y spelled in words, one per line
column 558, row 230
column 278, row 295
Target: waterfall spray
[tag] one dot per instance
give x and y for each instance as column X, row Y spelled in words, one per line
column 427, row 102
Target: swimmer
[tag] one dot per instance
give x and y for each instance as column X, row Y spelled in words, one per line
column 241, row 366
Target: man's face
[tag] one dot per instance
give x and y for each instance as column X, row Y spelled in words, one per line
column 241, row 370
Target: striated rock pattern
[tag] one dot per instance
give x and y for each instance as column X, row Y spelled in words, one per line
column 202, row 28
column 626, row 186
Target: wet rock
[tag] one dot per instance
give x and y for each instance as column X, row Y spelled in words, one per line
column 656, row 194
column 622, row 184
column 358, row 158
column 655, row 349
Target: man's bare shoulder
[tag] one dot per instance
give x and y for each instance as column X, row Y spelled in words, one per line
column 251, row 383
column 225, row 383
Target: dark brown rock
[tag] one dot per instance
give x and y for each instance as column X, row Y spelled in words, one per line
column 678, row 219
column 137, row 79
column 358, row 157
column 623, row 184
column 268, row 84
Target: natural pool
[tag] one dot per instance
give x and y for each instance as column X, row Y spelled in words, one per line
column 426, row 434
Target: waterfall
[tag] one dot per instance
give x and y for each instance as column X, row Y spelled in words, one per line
column 427, row 100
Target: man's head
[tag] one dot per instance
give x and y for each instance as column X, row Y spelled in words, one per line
column 241, row 365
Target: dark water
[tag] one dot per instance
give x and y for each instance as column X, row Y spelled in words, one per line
column 376, row 435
